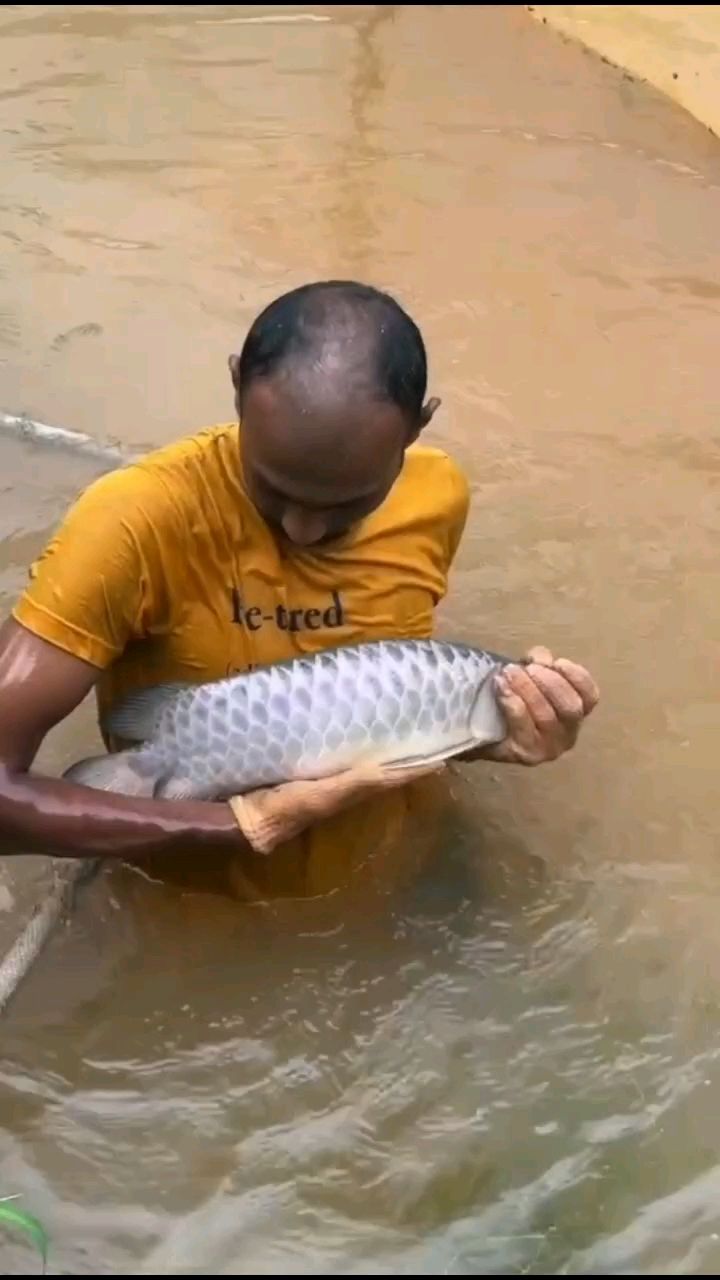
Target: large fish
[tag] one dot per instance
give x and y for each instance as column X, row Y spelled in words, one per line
column 390, row 702
column 393, row 702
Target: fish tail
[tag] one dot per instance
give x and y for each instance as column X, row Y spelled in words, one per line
column 116, row 772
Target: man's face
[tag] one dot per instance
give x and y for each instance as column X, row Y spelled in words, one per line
column 315, row 470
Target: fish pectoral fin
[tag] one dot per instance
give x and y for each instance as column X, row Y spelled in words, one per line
column 412, row 762
column 169, row 788
column 122, row 773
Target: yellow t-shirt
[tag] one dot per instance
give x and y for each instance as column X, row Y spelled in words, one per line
column 164, row 570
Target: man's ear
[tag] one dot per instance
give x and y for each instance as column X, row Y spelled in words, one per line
column 234, row 367
column 426, row 414
column 428, row 410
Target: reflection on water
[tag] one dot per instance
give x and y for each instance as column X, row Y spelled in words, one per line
column 509, row 1062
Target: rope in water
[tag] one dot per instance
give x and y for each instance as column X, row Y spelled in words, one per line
column 67, row 874
column 25, row 428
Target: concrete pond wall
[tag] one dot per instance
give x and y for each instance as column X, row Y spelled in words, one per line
column 674, row 47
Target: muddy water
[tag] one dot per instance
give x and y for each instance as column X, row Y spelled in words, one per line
column 510, row 1062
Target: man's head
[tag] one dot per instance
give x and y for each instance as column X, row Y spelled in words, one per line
column 330, row 387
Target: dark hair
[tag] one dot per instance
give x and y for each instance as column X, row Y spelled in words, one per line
column 382, row 350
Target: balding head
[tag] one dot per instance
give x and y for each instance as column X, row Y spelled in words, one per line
column 329, row 387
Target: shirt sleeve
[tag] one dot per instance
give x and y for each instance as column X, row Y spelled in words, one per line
column 90, row 588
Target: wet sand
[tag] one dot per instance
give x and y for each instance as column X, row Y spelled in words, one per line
column 510, row 1063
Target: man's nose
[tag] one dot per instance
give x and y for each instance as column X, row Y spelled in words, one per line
column 303, row 527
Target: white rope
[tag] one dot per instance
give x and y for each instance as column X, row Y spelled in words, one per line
column 25, row 428
column 67, row 874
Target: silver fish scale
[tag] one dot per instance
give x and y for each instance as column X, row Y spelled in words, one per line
column 380, row 702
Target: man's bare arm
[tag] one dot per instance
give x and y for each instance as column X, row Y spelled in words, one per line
column 39, row 686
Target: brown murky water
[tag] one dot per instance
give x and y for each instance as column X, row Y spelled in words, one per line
column 510, row 1062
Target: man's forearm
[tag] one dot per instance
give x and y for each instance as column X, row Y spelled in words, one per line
column 44, row 815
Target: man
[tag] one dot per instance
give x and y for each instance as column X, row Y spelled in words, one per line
column 316, row 519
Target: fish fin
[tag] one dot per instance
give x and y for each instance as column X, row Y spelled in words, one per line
column 112, row 773
column 175, row 789
column 487, row 720
column 137, row 717
column 412, row 762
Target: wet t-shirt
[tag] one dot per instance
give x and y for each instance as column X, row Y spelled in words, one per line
column 164, row 570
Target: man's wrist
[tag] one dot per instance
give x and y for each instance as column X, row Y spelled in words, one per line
column 220, row 830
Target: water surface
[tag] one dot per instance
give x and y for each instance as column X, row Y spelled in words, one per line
column 509, row 1062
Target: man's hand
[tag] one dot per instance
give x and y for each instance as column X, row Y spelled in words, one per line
column 545, row 704
column 270, row 816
